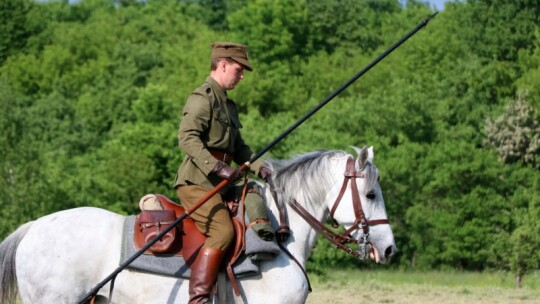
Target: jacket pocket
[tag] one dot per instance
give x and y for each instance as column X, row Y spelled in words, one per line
column 220, row 124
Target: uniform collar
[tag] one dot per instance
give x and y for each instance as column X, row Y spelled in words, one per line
column 219, row 91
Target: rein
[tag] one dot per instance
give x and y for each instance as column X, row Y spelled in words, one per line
column 339, row 240
column 360, row 222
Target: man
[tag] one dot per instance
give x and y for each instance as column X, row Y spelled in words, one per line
column 209, row 133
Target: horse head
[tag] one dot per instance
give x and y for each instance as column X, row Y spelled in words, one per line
column 334, row 183
column 358, row 205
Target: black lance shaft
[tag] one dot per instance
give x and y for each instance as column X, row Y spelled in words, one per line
column 224, row 182
column 343, row 87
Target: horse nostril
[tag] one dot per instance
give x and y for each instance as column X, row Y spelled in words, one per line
column 389, row 252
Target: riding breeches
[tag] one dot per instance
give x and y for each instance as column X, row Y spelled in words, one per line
column 212, row 218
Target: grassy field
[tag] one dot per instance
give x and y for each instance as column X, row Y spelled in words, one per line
column 396, row 287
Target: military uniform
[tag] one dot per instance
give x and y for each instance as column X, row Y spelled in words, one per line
column 209, row 133
column 210, row 124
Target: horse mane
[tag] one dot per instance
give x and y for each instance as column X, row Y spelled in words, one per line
column 305, row 176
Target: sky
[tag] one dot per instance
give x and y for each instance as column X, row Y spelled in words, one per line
column 439, row 4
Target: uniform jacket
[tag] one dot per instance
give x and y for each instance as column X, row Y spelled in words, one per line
column 209, row 121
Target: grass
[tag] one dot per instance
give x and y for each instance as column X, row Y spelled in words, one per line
column 400, row 287
column 404, row 287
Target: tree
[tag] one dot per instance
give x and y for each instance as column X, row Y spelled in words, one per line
column 348, row 23
column 14, row 30
column 516, row 133
column 524, row 243
column 529, row 62
column 459, row 198
column 501, row 27
column 274, row 30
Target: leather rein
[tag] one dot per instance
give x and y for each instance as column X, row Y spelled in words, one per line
column 340, row 240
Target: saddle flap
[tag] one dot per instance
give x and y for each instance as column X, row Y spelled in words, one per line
column 192, row 240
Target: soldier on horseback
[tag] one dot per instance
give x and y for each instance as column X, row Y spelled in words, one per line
column 209, row 134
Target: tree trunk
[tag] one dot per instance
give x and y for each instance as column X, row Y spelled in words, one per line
column 519, row 277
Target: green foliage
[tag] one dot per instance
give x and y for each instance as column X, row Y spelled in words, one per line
column 516, row 133
column 524, row 242
column 91, row 94
column 274, row 31
column 15, row 28
column 349, row 23
column 529, row 63
column 453, row 227
column 501, row 27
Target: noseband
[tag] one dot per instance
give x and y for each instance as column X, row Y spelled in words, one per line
column 339, row 240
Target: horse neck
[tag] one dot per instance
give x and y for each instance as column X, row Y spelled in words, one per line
column 303, row 235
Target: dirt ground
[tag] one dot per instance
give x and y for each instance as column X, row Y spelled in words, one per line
column 372, row 292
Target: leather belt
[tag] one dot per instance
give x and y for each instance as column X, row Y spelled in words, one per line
column 222, row 156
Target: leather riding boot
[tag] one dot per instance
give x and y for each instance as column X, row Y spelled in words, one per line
column 203, row 275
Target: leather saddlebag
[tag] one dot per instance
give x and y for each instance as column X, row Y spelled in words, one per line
column 149, row 224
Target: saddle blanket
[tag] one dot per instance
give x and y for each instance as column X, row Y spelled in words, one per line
column 172, row 265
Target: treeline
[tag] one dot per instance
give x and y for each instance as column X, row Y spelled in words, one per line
column 91, row 92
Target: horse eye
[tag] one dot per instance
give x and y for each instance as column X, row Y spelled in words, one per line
column 371, row 195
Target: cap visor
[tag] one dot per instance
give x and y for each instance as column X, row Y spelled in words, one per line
column 243, row 62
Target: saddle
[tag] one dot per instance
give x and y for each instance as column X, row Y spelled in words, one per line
column 183, row 240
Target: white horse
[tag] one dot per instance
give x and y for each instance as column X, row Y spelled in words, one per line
column 60, row 257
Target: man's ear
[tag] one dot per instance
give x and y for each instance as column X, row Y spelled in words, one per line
column 223, row 65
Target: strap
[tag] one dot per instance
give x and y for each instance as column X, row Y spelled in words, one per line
column 259, row 220
column 230, row 272
column 340, row 196
column 92, row 299
column 350, row 172
column 222, row 156
column 350, row 175
column 289, row 254
column 282, row 209
column 337, row 239
column 232, row 278
column 111, row 290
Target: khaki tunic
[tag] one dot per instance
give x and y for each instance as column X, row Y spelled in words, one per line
column 209, row 120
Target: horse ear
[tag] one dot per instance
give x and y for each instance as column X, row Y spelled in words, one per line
column 362, row 157
column 371, row 154
column 365, row 155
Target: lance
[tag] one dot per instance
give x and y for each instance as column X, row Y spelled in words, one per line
column 244, row 166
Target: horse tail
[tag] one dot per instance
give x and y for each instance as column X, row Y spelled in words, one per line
column 8, row 276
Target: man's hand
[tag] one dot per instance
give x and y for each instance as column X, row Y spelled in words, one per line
column 265, row 173
column 225, row 171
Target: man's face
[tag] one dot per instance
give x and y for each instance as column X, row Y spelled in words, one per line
column 232, row 74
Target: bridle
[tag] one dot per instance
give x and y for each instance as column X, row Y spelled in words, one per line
column 340, row 240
